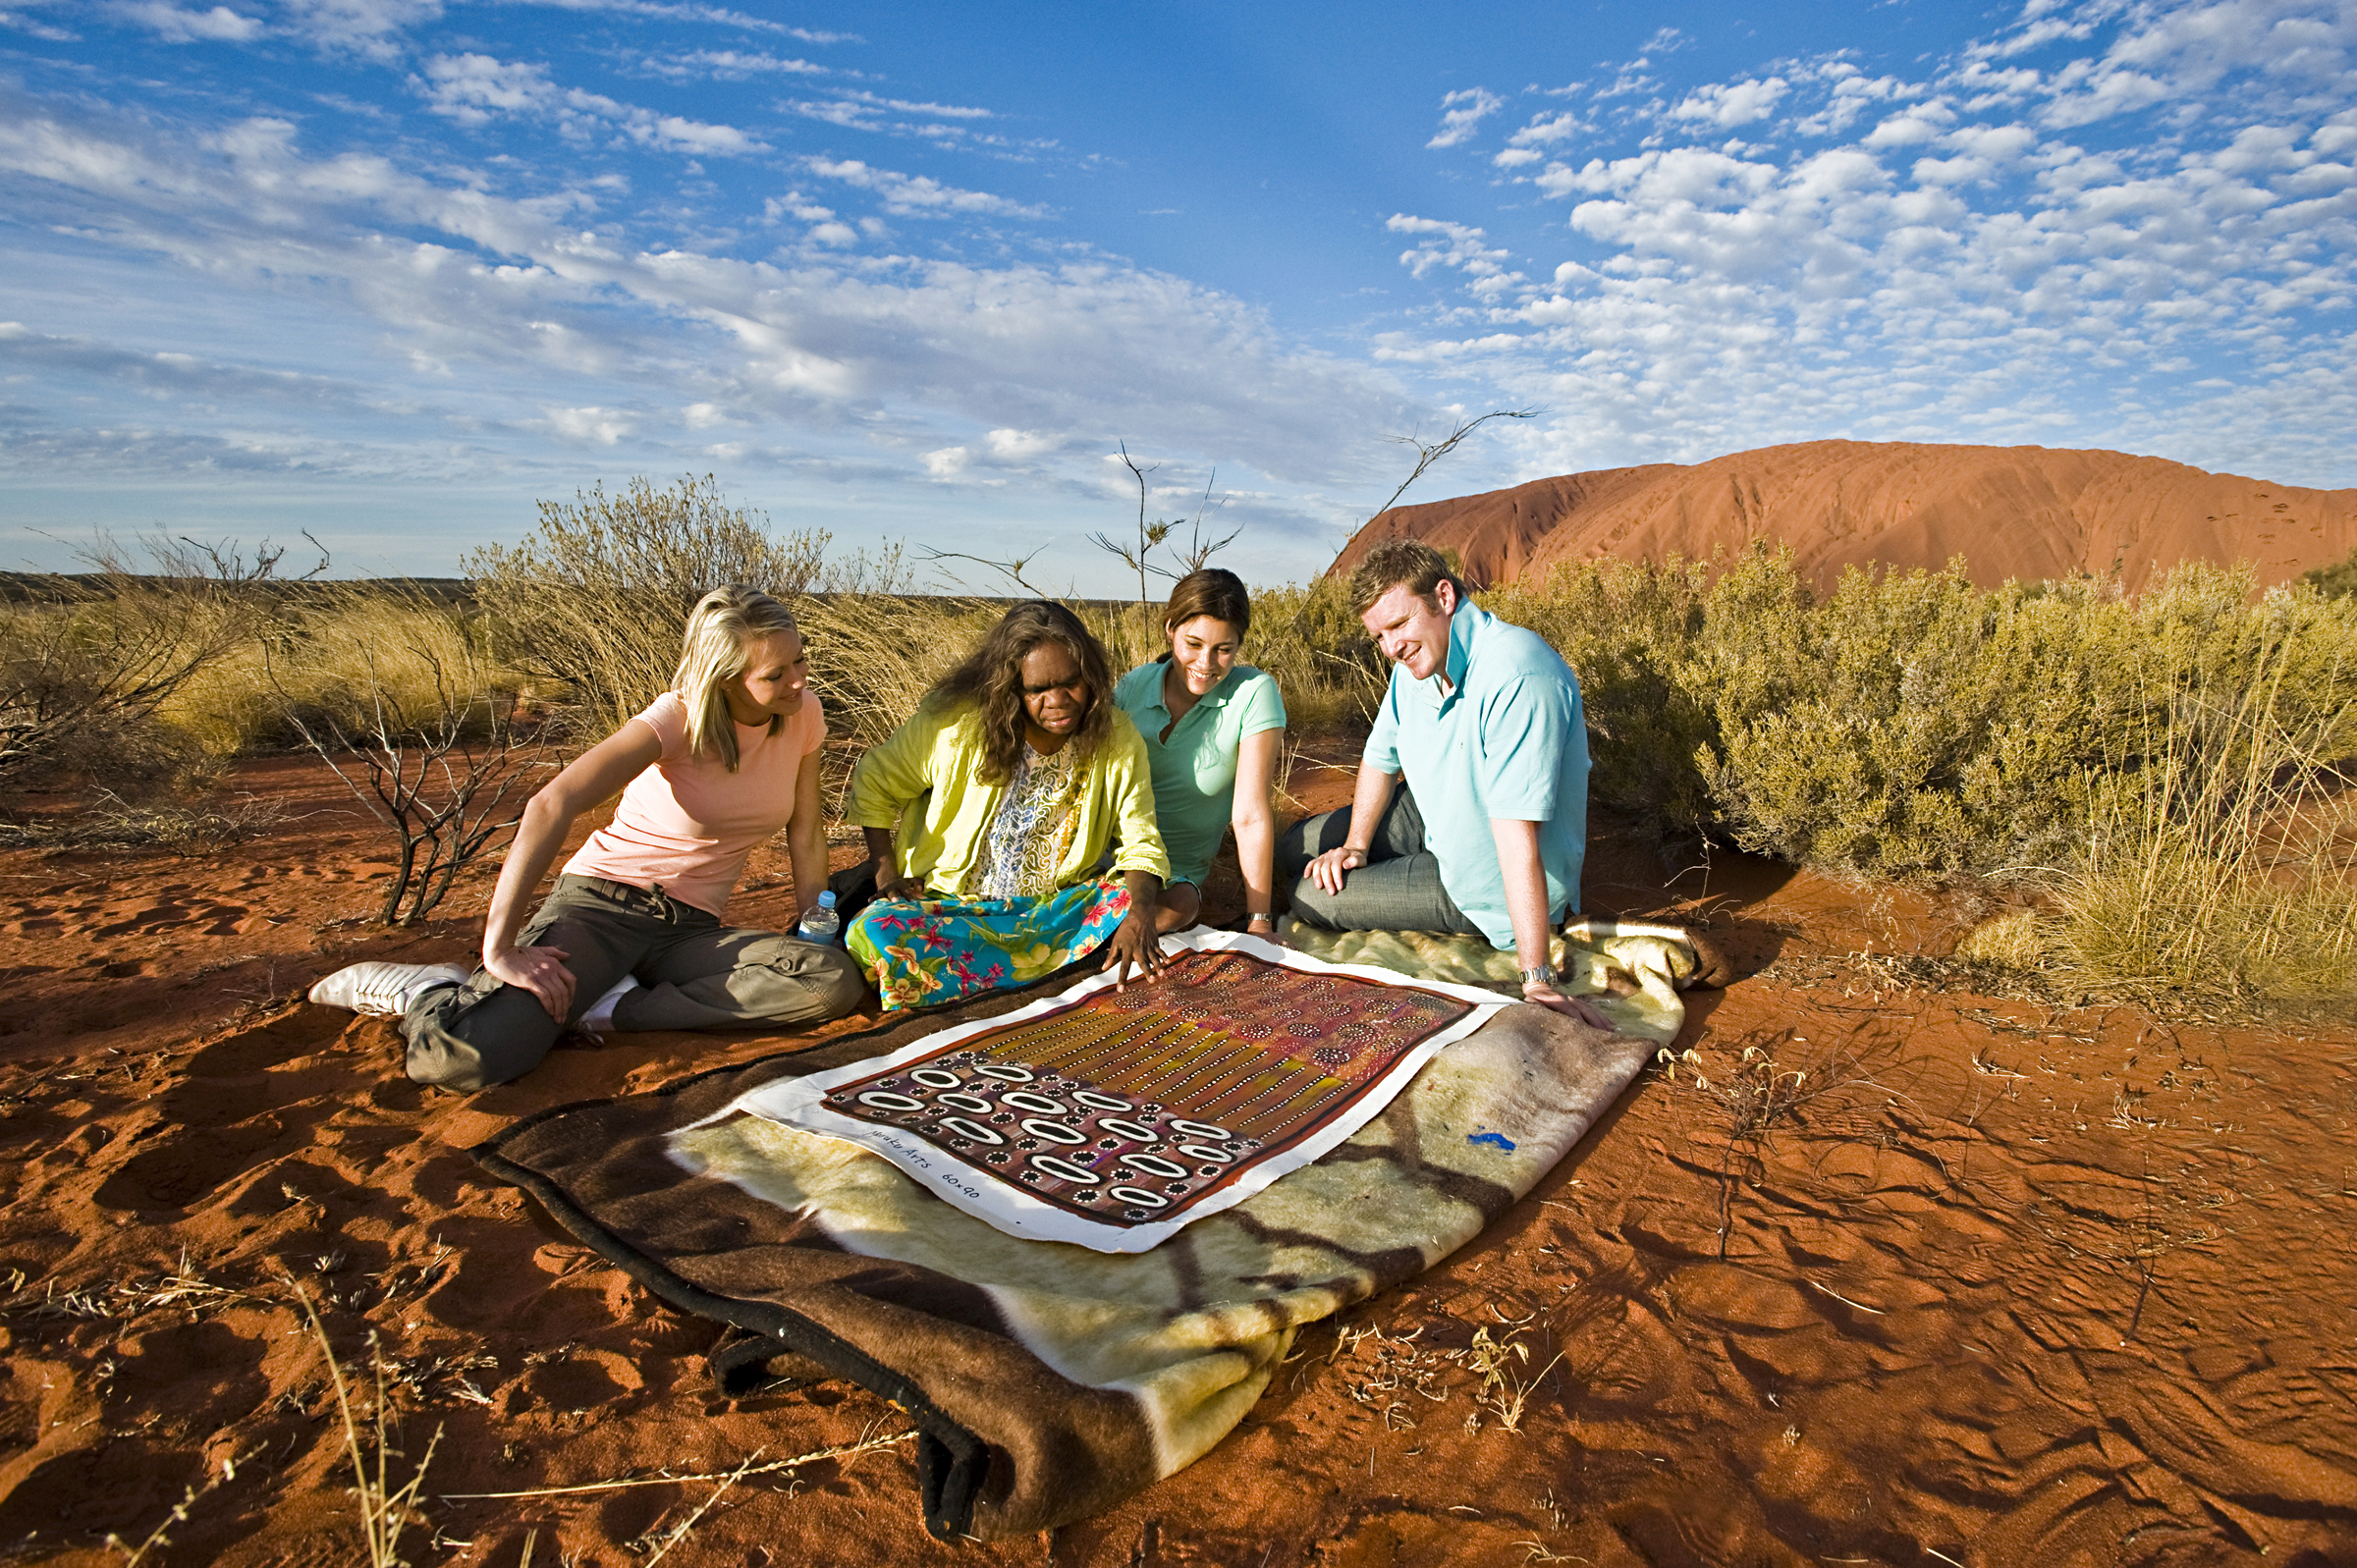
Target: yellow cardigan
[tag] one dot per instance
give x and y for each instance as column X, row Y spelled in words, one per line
column 941, row 832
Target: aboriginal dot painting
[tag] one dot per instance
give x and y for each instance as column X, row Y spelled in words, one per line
column 1129, row 1107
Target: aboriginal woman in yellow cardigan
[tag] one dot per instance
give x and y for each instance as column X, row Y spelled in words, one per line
column 1010, row 823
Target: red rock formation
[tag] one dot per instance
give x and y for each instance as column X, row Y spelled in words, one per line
column 2027, row 513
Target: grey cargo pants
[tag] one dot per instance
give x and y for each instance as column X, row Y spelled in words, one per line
column 695, row 973
column 1399, row 888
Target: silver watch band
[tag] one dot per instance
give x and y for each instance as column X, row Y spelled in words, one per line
column 1545, row 974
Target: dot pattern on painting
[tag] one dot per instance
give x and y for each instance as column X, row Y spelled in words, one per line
column 1131, row 1106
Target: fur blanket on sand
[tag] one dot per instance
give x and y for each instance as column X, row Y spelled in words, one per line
column 1051, row 1379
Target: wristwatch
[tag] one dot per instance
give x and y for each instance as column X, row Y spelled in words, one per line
column 1545, row 974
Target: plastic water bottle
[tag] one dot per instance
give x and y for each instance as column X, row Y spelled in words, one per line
column 822, row 924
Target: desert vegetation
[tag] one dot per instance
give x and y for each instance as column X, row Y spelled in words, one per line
column 2162, row 779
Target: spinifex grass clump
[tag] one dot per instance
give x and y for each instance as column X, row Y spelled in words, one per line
column 91, row 664
column 873, row 656
column 1320, row 653
column 2225, row 860
column 595, row 602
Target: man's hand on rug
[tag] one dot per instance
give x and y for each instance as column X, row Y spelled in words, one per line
column 1570, row 1007
column 539, row 970
column 1328, row 870
column 1134, row 943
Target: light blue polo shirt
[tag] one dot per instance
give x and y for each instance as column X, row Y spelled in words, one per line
column 1194, row 771
column 1506, row 740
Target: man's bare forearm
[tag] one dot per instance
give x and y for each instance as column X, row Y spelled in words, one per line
column 1367, row 802
column 1526, row 877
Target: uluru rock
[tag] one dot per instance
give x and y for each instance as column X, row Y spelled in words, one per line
column 2025, row 512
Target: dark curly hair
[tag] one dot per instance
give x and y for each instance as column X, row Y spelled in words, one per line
column 991, row 680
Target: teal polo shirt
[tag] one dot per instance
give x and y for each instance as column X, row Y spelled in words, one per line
column 1506, row 740
column 1194, row 771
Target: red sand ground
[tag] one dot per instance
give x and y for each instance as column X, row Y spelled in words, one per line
column 2020, row 1286
column 2027, row 513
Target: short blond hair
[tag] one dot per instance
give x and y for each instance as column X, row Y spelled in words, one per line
column 721, row 632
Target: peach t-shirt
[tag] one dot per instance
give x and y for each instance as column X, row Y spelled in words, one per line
column 687, row 824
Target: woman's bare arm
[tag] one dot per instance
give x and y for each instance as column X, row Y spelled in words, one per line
column 806, row 837
column 1254, row 821
column 591, row 779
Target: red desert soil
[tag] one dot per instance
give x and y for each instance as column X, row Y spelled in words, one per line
column 1902, row 504
column 2022, row 1285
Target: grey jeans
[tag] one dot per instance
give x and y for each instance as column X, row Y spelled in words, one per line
column 1399, row 888
column 695, row 973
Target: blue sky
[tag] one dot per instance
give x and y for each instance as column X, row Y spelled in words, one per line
column 393, row 269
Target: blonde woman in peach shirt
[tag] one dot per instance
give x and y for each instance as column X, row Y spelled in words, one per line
column 631, row 937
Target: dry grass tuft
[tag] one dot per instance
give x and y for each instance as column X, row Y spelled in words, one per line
column 109, row 822
column 1769, row 1085
column 2227, row 861
column 386, row 1510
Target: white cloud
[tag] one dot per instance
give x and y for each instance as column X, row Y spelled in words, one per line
column 1728, row 105
column 176, row 24
column 859, row 110
column 1464, row 112
column 1963, row 270
column 471, row 88
column 475, row 88
column 598, row 426
column 1018, row 445
column 20, row 18
column 1455, row 246
column 729, row 65
column 918, row 196
column 1549, row 129
column 370, row 27
column 686, row 11
column 1925, row 122
column 478, row 294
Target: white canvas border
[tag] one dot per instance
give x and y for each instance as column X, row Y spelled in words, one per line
column 800, row 1103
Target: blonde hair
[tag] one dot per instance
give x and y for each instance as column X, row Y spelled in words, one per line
column 721, row 631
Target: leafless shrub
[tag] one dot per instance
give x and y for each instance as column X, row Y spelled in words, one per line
column 425, row 736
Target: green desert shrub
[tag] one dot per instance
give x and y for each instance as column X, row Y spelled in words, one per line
column 1320, row 654
column 2337, row 580
column 1632, row 630
column 594, row 603
column 1910, row 723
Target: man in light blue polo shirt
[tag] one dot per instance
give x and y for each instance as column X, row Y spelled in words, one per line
column 1484, row 721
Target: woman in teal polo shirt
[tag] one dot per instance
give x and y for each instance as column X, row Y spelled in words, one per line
column 1214, row 729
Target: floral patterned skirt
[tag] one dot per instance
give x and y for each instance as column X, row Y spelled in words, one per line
column 940, row 951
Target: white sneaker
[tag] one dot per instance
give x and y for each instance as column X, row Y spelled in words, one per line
column 600, row 1019
column 383, row 990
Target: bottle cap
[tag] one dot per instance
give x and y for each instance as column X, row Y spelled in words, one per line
column 826, row 901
